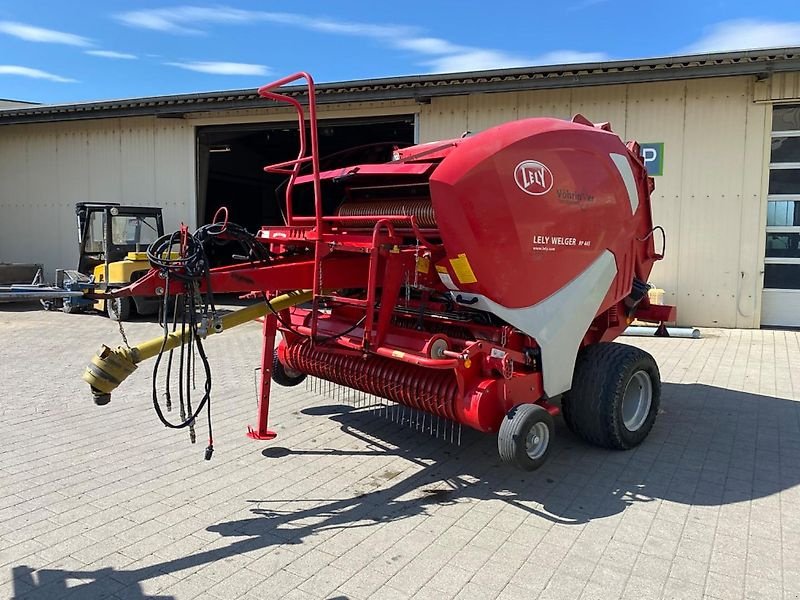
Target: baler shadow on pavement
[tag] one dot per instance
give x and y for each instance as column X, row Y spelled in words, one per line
column 51, row 584
column 710, row 447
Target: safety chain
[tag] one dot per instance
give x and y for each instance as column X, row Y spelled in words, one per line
column 119, row 323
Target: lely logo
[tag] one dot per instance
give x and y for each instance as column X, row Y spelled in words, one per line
column 533, row 177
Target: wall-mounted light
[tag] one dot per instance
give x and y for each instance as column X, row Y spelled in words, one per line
column 222, row 148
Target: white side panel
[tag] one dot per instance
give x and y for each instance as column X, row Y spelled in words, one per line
column 558, row 323
column 624, row 168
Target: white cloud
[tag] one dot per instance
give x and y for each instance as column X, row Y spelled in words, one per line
column 33, row 73
column 370, row 30
column 179, row 18
column 112, row 54
column 473, row 59
column 438, row 55
column 190, row 19
column 451, row 58
column 222, row 68
column 442, row 56
column 29, row 33
column 746, row 34
column 428, row 45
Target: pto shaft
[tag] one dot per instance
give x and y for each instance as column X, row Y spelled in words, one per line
column 109, row 368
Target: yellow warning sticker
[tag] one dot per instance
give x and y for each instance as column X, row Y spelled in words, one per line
column 441, row 269
column 462, row 269
column 423, row 264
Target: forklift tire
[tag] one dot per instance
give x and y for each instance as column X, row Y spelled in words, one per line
column 616, row 390
column 525, row 437
column 119, row 309
column 283, row 376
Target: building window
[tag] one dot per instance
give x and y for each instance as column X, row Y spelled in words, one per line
column 782, row 260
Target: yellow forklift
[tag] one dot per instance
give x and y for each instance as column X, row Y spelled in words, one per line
column 113, row 241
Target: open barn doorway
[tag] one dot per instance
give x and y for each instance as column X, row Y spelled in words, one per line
column 231, row 160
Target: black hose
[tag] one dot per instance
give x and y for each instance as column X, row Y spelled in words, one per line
column 192, row 268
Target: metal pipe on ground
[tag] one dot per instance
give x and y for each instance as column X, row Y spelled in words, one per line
column 678, row 332
column 25, row 293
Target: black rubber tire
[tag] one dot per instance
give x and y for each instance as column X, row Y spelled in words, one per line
column 592, row 409
column 123, row 309
column 513, row 435
column 281, row 377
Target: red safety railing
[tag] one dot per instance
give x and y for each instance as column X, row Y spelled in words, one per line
column 266, row 91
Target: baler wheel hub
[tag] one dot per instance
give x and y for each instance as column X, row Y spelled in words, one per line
column 538, row 441
column 637, row 400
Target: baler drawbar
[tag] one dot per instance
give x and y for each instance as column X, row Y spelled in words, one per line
column 480, row 280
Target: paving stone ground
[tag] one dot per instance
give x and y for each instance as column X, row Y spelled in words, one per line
column 104, row 502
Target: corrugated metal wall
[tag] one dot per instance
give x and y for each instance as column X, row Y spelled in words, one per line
column 778, row 87
column 45, row 169
column 711, row 198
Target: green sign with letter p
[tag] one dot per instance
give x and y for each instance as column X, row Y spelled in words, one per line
column 653, row 155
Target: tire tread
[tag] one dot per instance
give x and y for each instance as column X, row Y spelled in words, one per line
column 513, row 433
column 601, row 373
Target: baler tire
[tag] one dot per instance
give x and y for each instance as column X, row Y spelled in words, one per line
column 523, row 424
column 281, row 376
column 123, row 309
column 593, row 408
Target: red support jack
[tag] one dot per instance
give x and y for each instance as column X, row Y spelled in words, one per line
column 262, row 432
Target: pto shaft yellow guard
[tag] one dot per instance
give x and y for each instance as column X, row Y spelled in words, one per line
column 110, row 367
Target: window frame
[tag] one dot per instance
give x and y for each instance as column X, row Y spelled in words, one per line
column 780, row 166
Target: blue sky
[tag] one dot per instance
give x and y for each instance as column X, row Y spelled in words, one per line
column 74, row 51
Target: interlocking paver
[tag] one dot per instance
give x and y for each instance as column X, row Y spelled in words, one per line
column 104, row 502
